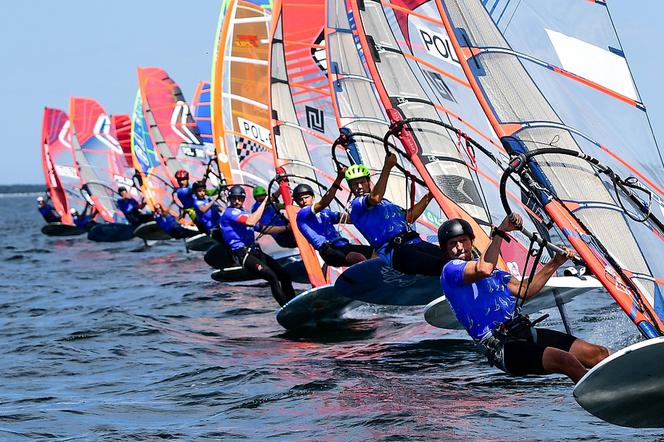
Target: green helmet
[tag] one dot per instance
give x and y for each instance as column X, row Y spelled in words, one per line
column 259, row 191
column 357, row 171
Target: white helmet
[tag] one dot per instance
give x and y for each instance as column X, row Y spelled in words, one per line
column 40, row 199
column 73, row 211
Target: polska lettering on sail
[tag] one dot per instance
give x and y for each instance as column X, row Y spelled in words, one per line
column 254, row 131
column 438, row 45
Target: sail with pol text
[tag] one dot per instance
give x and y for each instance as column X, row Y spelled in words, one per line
column 554, row 82
column 437, row 117
column 239, row 94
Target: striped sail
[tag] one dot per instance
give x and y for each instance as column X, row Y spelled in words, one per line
column 60, row 171
column 304, row 121
column 156, row 184
column 554, row 75
column 99, row 156
column 417, row 75
column 172, row 127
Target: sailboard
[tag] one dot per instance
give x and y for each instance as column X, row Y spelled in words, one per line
column 238, row 102
column 303, row 127
column 61, row 229
column 60, row 171
column 555, row 85
column 627, row 388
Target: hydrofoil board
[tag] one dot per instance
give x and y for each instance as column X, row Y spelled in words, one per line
column 375, row 282
column 627, row 388
column 312, row 306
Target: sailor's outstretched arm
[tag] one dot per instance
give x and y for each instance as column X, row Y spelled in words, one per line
column 416, row 211
column 378, row 191
column 489, row 259
column 539, row 280
column 204, row 208
column 331, row 192
column 253, row 219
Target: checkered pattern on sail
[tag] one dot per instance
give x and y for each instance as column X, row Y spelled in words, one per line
column 247, row 146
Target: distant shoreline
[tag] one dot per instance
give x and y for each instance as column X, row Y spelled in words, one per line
column 22, row 189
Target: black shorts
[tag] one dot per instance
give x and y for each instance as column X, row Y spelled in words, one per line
column 522, row 357
column 335, row 256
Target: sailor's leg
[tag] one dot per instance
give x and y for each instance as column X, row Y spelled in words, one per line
column 283, row 276
column 358, row 249
column 333, row 256
column 589, row 354
column 421, row 258
column 521, row 357
column 559, row 361
column 257, row 267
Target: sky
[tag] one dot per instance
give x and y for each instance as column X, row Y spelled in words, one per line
column 52, row 50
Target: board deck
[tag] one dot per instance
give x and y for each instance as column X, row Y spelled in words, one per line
column 439, row 314
column 315, row 305
column 375, row 282
column 627, row 388
column 199, row 243
column 151, row 231
column 111, row 232
column 62, row 229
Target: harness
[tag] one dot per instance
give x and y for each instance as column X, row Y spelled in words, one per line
column 518, row 329
column 242, row 253
column 396, row 242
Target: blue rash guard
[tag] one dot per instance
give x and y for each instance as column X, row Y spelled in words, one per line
column 379, row 224
column 318, row 228
column 128, row 206
column 186, row 197
column 482, row 306
column 208, row 219
column 49, row 214
column 167, row 222
column 234, row 229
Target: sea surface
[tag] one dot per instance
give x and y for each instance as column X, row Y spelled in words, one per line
column 127, row 342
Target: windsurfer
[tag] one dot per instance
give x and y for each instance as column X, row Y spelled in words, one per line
column 207, row 212
column 169, row 224
column 84, row 220
column 483, row 299
column 184, row 196
column 388, row 227
column 237, row 228
column 272, row 222
column 316, row 223
column 48, row 211
column 132, row 208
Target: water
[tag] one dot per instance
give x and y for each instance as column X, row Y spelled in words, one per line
column 119, row 341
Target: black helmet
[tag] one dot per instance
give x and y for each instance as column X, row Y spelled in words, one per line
column 454, row 227
column 302, row 189
column 237, row 192
column 121, row 189
column 197, row 185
